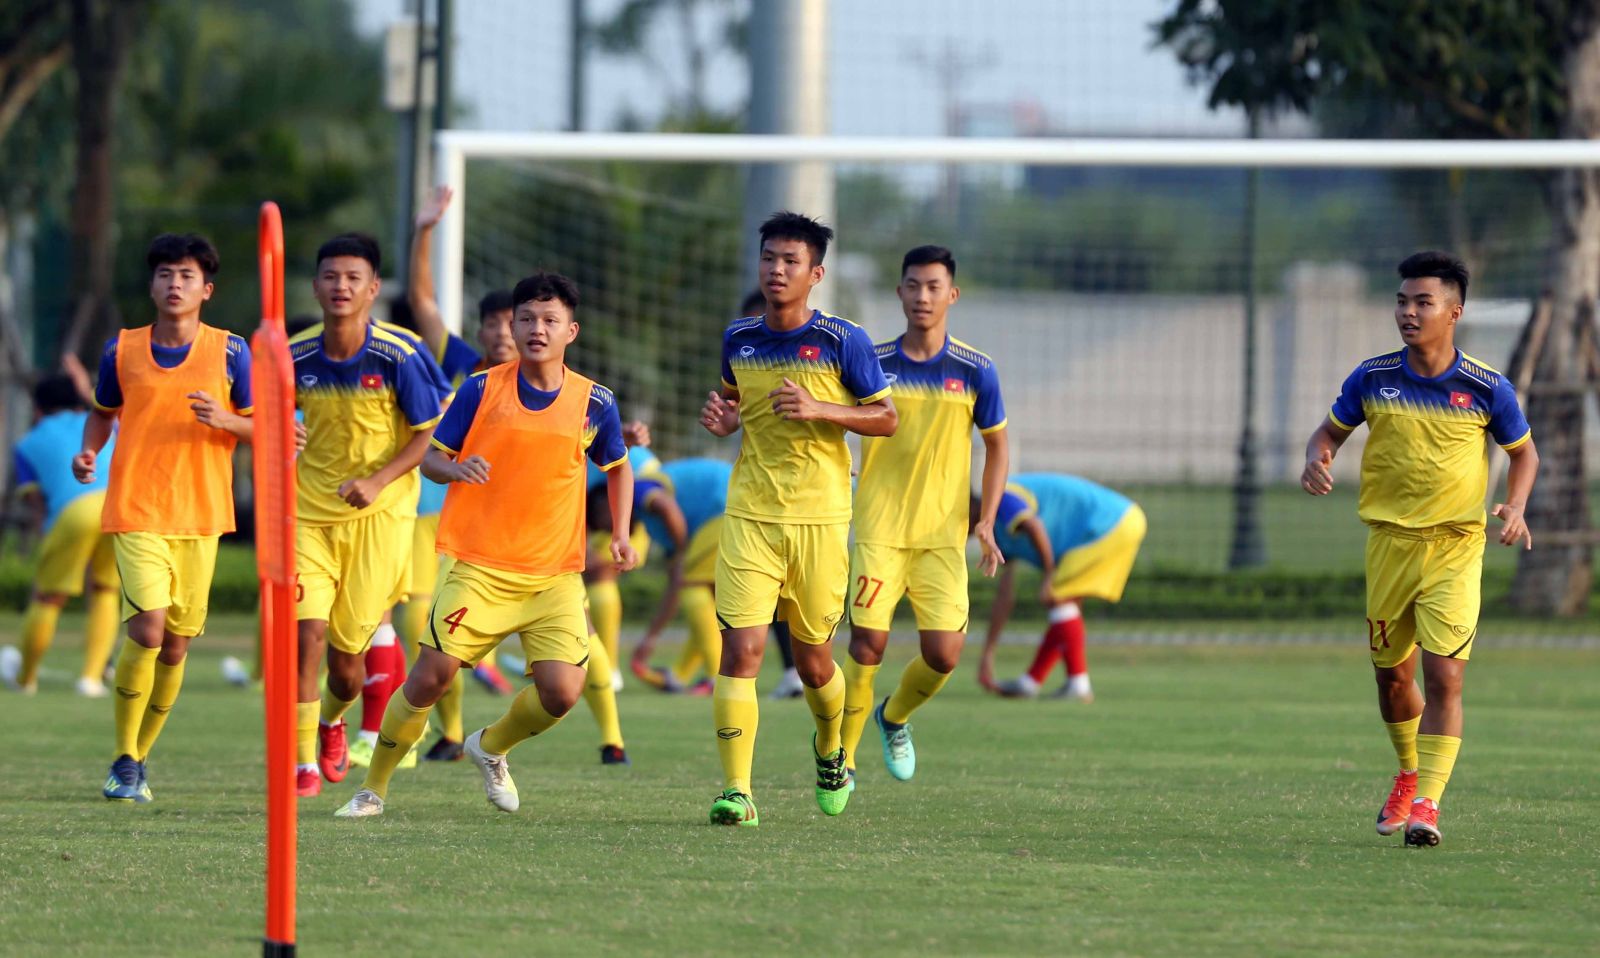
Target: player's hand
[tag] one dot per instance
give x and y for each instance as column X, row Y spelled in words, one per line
column 360, row 493
column 791, row 401
column 299, row 437
column 207, row 410
column 986, row 672
column 1317, row 478
column 433, row 207
column 636, row 433
column 83, row 466
column 623, row 555
column 719, row 416
column 1047, row 597
column 992, row 559
column 1514, row 528
column 473, row 470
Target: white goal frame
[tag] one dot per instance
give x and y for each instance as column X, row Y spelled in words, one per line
column 454, row 147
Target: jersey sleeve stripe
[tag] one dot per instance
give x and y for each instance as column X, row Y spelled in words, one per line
column 612, row 465
column 428, row 425
column 994, row 428
column 729, row 386
column 1508, row 446
column 442, row 447
column 1335, row 420
column 867, row 400
column 246, row 411
column 107, row 409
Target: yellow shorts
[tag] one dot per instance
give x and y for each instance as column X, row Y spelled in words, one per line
column 73, row 544
column 349, row 573
column 801, row 571
column 700, row 555
column 934, row 579
column 600, row 545
column 1100, row 569
column 1422, row 591
column 477, row 607
column 424, row 559
column 167, row 572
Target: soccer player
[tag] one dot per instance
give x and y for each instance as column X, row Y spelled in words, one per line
column 371, row 400
column 73, row 550
column 911, row 507
column 515, row 435
column 795, row 380
column 600, row 578
column 179, row 392
column 1084, row 538
column 1430, row 409
column 682, row 508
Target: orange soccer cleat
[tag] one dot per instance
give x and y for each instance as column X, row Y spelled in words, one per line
column 1398, row 807
column 333, row 753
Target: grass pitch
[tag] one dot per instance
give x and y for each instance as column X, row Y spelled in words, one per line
column 1214, row 801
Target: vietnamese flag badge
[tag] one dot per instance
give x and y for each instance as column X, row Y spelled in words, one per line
column 954, row 385
column 811, row 352
column 1461, row 400
column 372, row 381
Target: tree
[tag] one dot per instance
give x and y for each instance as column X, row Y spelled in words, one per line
column 1471, row 68
column 628, row 32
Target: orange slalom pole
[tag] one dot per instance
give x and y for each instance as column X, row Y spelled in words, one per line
column 272, row 374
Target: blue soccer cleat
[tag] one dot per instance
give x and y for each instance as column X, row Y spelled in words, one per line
column 122, row 784
column 898, row 753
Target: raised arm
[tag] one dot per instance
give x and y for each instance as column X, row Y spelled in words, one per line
column 420, row 293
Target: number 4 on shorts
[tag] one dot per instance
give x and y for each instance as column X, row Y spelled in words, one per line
column 455, row 619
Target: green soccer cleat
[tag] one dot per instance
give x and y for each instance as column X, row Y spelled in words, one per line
column 898, row 753
column 833, row 780
column 734, row 807
column 361, row 752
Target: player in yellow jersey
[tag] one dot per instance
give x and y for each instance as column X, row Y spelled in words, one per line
column 911, row 507
column 795, row 380
column 179, row 391
column 515, row 435
column 1431, row 410
column 371, row 399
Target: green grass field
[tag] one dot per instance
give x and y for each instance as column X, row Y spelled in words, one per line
column 1214, row 801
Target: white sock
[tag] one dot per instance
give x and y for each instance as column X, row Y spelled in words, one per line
column 305, row 768
column 1078, row 684
column 370, row 736
column 384, row 636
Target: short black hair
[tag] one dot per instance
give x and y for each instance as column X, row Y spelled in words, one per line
column 170, row 248
column 928, row 255
column 788, row 225
column 1438, row 264
column 494, row 301
column 56, row 393
column 363, row 245
column 753, row 304
column 544, row 286
column 400, row 314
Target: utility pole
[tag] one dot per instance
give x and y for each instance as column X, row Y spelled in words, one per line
column 1249, row 550
column 951, row 70
column 575, row 65
column 788, row 94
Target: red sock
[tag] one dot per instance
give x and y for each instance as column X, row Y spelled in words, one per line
column 1050, row 649
column 386, row 666
column 1077, row 657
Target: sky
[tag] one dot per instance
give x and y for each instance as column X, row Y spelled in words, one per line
column 1068, row 67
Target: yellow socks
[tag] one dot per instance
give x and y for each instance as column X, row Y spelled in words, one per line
column 333, row 707
column 827, row 708
column 524, row 719
column 1403, row 735
column 705, row 640
column 1436, row 757
column 857, row 705
column 735, row 715
column 136, row 673
column 412, row 624
column 449, row 707
column 600, row 697
column 305, row 723
column 38, row 629
column 403, row 725
column 918, row 683
column 100, row 630
column 605, row 609
column 163, row 695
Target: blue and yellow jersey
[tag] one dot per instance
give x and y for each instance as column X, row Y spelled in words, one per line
column 108, row 389
column 1074, row 511
column 914, row 484
column 359, row 413
column 700, row 487
column 1426, row 460
column 602, row 426
column 44, row 461
column 796, row 473
column 457, row 360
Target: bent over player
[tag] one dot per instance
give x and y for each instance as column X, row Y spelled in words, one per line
column 1430, row 409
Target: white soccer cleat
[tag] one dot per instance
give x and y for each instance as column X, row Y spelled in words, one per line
column 789, row 686
column 497, row 783
column 363, row 804
column 10, row 666
column 91, row 688
column 1074, row 690
column 234, row 672
column 1021, row 687
column 616, row 680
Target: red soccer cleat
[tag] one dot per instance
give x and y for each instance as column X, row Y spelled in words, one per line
column 307, row 783
column 1398, row 807
column 1422, row 828
column 333, row 753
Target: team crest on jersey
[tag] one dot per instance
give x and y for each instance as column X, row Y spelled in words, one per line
column 308, row 380
column 1461, row 400
column 1389, row 392
column 954, row 385
column 372, row 381
column 747, row 351
column 810, row 352
column 890, row 378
